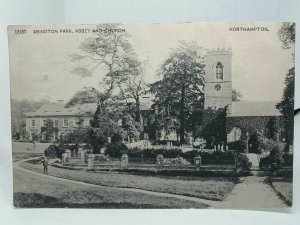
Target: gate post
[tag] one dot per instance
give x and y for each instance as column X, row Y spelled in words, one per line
column 68, row 155
column 81, row 154
column 160, row 161
column 124, row 161
column 197, row 162
column 91, row 158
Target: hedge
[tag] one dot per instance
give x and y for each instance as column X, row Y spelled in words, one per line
column 150, row 154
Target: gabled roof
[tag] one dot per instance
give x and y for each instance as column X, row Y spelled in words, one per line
column 60, row 110
column 253, row 109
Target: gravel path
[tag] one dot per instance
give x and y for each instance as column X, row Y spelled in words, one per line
column 253, row 192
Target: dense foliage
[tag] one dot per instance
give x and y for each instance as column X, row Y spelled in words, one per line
column 243, row 166
column 116, row 150
column 286, row 106
column 214, row 126
column 286, row 35
column 179, row 93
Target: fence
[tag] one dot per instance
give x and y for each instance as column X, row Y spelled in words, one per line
column 101, row 162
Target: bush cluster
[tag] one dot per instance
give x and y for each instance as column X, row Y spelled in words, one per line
column 287, row 159
column 54, row 151
column 117, row 149
column 276, row 159
column 244, row 166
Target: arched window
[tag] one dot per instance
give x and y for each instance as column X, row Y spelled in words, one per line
column 219, row 71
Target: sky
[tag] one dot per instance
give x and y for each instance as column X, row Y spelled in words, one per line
column 41, row 65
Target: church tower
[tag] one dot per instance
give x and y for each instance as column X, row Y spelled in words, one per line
column 218, row 78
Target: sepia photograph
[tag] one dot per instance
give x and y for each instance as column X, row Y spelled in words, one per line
column 162, row 115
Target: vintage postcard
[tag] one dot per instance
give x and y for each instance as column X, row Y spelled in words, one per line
column 171, row 115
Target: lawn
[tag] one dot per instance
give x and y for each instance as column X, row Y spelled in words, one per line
column 212, row 188
column 23, row 150
column 284, row 188
column 31, row 191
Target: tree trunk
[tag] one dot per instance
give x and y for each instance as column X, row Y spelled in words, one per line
column 182, row 114
column 138, row 112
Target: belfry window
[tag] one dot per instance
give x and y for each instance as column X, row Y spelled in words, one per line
column 219, row 71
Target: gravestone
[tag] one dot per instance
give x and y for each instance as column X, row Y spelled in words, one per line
column 160, row 161
column 124, row 161
column 197, row 162
column 91, row 159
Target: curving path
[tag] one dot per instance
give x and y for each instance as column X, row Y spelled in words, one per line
column 17, row 167
column 253, row 192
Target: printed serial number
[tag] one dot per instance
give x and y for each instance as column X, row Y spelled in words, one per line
column 20, row 31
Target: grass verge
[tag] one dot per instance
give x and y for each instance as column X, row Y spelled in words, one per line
column 284, row 188
column 211, row 188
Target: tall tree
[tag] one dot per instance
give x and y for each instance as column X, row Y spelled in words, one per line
column 286, row 106
column 287, row 34
column 181, row 84
column 86, row 95
column 132, row 84
column 107, row 49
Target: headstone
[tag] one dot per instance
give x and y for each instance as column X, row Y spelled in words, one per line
column 160, row 161
column 197, row 162
column 91, row 159
column 222, row 148
column 124, row 161
column 227, row 148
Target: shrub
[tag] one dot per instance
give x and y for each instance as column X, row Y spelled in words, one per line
column 244, row 165
column 265, row 144
column 116, row 138
column 54, row 151
column 116, row 149
column 275, row 158
column 264, row 163
column 237, row 145
column 207, row 157
column 287, row 159
column 100, row 158
column 177, row 161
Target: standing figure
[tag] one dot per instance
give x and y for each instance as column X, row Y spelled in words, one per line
column 45, row 164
